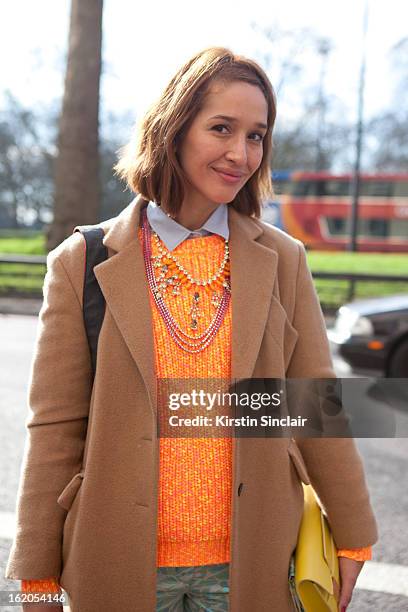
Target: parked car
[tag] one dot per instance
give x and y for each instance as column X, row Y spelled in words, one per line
column 372, row 336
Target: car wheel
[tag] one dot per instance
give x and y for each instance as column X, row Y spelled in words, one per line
column 398, row 367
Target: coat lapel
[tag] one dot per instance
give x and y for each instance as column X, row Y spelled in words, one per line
column 124, row 285
column 253, row 272
column 123, row 282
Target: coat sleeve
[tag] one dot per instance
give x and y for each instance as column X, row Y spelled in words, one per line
column 58, row 406
column 334, row 465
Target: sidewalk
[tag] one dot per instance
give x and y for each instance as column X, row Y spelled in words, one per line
column 21, row 306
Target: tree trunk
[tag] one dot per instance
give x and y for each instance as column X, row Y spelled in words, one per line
column 77, row 189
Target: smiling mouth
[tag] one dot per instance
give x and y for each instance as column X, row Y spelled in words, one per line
column 229, row 178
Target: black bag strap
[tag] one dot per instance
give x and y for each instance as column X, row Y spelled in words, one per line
column 93, row 299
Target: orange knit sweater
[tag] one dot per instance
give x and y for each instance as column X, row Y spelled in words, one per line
column 195, row 473
column 195, row 480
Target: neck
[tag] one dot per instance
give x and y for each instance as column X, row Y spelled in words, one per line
column 194, row 217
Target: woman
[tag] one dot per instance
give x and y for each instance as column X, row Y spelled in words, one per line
column 195, row 286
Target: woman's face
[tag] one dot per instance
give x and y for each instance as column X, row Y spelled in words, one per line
column 223, row 146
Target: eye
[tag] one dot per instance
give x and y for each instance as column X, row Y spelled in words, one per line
column 261, row 136
column 219, row 126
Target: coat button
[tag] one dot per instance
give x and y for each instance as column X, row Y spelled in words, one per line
column 240, row 488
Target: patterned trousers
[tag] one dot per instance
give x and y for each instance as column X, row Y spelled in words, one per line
column 202, row 588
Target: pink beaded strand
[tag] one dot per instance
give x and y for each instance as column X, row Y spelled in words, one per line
column 182, row 339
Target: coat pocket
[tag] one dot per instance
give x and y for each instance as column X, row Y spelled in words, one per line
column 68, row 495
column 298, row 462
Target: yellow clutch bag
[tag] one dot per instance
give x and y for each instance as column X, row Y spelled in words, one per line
column 316, row 567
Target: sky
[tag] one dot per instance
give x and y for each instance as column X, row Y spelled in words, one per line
column 144, row 43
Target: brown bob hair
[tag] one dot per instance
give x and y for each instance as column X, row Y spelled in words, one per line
column 149, row 163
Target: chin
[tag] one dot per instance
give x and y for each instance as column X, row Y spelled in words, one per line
column 223, row 197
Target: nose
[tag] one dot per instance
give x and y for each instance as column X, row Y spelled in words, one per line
column 237, row 151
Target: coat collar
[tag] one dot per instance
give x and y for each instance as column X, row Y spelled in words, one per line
column 122, row 280
column 122, row 229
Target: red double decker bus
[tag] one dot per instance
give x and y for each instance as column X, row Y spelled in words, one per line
column 317, row 210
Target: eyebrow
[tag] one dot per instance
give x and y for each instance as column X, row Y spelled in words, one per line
column 234, row 120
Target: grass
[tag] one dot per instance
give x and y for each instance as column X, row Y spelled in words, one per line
column 334, row 293
column 30, row 245
column 331, row 293
column 29, row 285
column 32, row 276
column 360, row 263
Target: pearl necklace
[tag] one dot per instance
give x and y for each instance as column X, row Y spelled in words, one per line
column 166, row 258
column 187, row 342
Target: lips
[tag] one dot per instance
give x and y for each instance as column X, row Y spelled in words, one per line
column 226, row 177
column 229, row 172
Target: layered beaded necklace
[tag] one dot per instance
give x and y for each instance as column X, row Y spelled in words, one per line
column 172, row 275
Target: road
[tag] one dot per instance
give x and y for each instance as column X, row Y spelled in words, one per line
column 383, row 583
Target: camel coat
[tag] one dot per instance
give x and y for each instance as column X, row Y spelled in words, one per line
column 87, row 504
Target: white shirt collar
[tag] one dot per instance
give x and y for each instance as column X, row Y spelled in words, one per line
column 173, row 234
